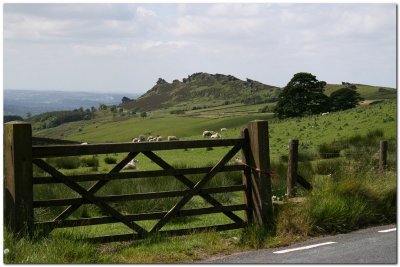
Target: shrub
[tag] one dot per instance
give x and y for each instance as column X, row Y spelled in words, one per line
column 327, row 151
column 68, row 163
column 110, row 160
column 90, row 162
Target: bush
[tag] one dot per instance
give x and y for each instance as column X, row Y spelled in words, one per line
column 68, row 163
column 90, row 162
column 110, row 160
column 327, row 151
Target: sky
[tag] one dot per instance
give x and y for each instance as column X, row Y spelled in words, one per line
column 127, row 47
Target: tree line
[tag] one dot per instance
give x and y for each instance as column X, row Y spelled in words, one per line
column 304, row 95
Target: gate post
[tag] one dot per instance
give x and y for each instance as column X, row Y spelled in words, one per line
column 292, row 168
column 18, row 173
column 259, row 162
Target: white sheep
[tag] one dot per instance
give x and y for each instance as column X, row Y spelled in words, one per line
column 149, row 138
column 223, row 130
column 325, row 113
column 135, row 140
column 159, row 138
column 216, row 136
column 84, row 143
column 172, row 138
column 208, row 133
column 131, row 165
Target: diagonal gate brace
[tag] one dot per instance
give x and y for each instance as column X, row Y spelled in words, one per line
column 89, row 196
column 97, row 186
column 182, row 178
column 196, row 188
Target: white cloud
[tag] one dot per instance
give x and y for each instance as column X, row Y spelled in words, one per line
column 148, row 45
column 143, row 12
column 98, row 50
column 261, row 41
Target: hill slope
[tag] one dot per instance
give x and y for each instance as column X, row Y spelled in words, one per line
column 203, row 88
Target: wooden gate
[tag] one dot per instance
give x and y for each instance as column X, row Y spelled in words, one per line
column 20, row 155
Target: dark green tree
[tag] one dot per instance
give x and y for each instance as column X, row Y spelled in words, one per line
column 143, row 114
column 303, row 95
column 344, row 98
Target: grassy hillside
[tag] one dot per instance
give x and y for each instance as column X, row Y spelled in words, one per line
column 367, row 92
column 202, row 90
column 311, row 130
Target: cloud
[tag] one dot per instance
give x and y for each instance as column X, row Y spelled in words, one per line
column 98, row 50
column 149, row 45
column 267, row 42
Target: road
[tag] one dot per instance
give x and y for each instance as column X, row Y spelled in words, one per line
column 372, row 245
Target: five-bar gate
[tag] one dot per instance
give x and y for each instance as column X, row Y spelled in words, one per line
column 20, row 156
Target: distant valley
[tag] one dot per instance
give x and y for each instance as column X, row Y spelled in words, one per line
column 20, row 102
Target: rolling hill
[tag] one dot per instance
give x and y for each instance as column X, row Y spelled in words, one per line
column 205, row 90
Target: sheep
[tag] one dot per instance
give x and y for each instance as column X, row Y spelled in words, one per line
column 149, row 138
column 325, row 113
column 216, row 136
column 208, row 133
column 135, row 140
column 84, row 143
column 223, row 130
column 171, row 138
column 142, row 138
column 131, row 165
column 159, row 138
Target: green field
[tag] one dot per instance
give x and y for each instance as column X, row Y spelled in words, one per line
column 310, row 131
column 339, row 178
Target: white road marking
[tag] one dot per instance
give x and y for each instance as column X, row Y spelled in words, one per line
column 301, row 248
column 388, row 230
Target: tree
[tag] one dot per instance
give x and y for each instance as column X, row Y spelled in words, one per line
column 344, row 98
column 303, row 95
column 102, row 107
column 28, row 115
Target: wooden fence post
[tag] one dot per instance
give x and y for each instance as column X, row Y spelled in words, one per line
column 383, row 156
column 259, row 162
column 292, row 168
column 18, row 186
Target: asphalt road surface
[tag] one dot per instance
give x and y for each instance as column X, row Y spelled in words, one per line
column 372, row 245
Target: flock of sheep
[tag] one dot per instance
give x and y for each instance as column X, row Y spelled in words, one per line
column 132, row 164
column 151, row 138
column 158, row 138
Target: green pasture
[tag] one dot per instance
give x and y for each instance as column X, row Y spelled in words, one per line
column 348, row 190
column 310, row 131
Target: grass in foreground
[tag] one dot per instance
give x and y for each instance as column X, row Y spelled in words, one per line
column 355, row 197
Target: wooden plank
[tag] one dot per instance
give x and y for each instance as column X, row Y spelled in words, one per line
column 89, row 196
column 137, row 217
column 182, row 178
column 137, row 174
column 18, row 187
column 131, row 197
column 292, row 168
column 130, row 237
column 195, row 189
column 93, row 149
column 97, row 186
column 246, row 177
column 304, row 183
